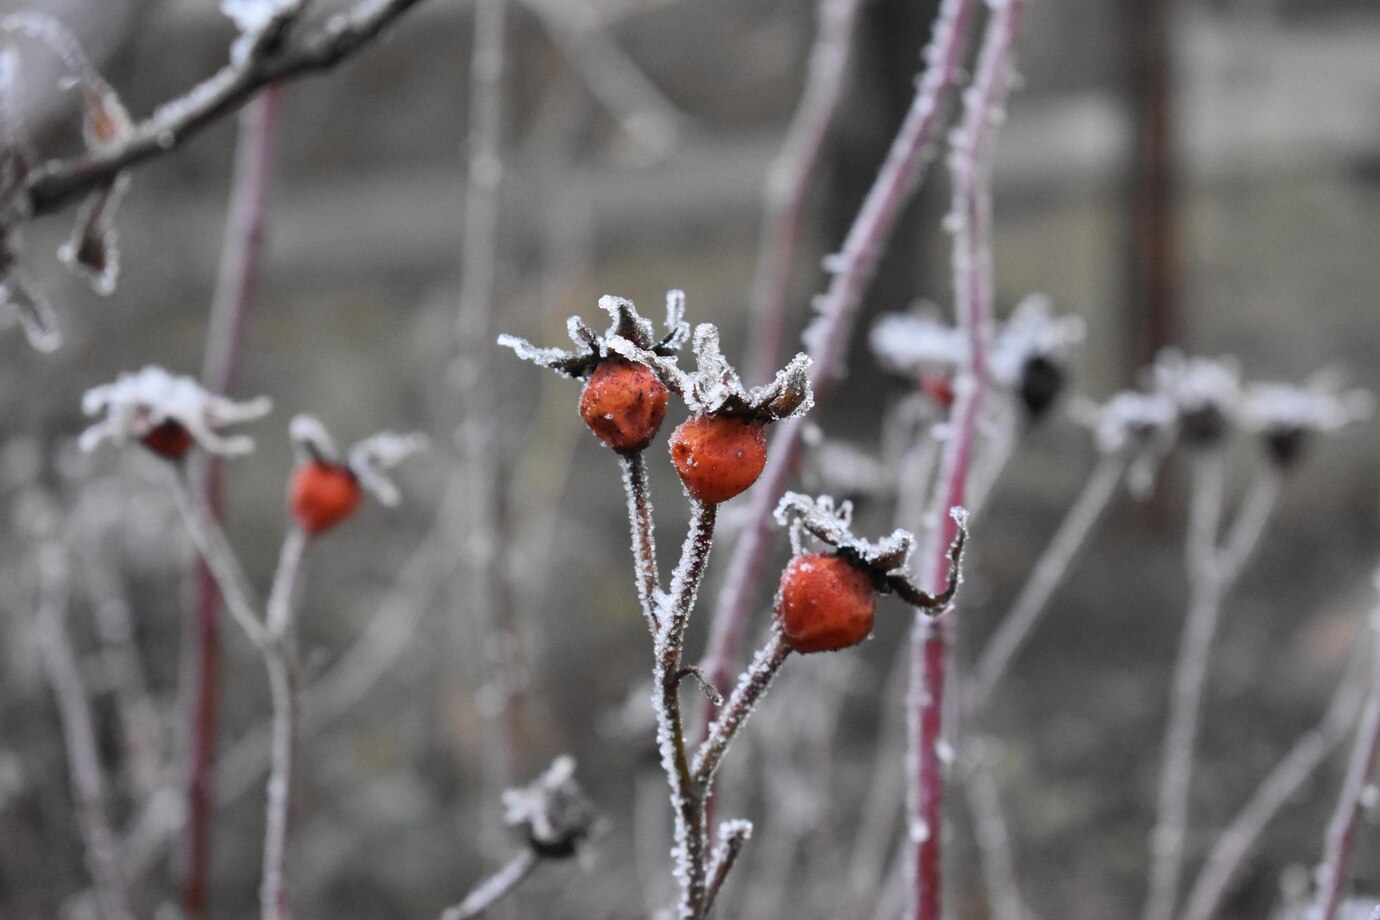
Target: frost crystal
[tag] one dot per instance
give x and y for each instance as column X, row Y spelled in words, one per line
column 137, row 403
column 552, row 810
column 715, row 386
column 1142, row 425
column 1205, row 391
column 369, row 460
column 626, row 326
column 909, row 343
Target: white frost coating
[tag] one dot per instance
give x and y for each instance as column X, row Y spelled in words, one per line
column 21, row 300
column 909, row 343
column 93, row 250
column 311, row 440
column 1319, row 405
column 822, row 519
column 628, row 335
column 1143, row 426
column 944, row 751
column 1196, row 383
column 136, row 403
column 918, row 831
column 371, row 458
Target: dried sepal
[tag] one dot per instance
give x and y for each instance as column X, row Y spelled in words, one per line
column 886, row 561
column 1206, row 392
column 626, row 325
column 1286, row 416
column 136, row 404
column 552, row 811
column 372, row 458
column 1142, row 426
column 715, row 388
column 23, row 301
column 93, row 249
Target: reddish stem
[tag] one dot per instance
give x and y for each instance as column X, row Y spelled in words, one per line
column 894, row 187
column 235, row 282
column 973, row 292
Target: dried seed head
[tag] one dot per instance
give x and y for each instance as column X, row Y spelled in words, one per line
column 137, row 404
column 718, row 456
column 592, row 349
column 1287, row 417
column 1206, row 393
column 825, row 603
column 624, row 404
column 552, row 811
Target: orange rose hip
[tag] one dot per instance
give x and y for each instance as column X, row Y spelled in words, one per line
column 624, row 404
column 168, row 439
column 825, row 604
column 718, row 456
column 322, row 495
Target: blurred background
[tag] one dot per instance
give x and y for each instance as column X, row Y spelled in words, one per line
column 1199, row 174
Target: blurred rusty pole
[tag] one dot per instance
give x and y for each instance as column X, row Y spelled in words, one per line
column 1153, row 276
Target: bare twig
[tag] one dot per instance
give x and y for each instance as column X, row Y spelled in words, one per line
column 494, row 888
column 1212, row 573
column 643, row 533
column 266, row 62
column 992, row 835
column 235, row 282
column 215, row 550
column 853, row 268
column 1275, row 791
column 751, row 687
column 280, row 656
column 733, row 836
column 83, row 759
column 1046, row 576
column 788, row 182
column 1341, row 830
column 972, row 264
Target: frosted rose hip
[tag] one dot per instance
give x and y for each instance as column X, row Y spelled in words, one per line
column 624, row 404
column 322, row 495
column 825, row 604
column 718, row 456
column 168, row 439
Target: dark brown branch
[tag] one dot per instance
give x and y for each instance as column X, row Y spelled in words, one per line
column 56, row 183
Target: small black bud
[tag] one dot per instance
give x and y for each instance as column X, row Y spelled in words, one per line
column 1203, row 426
column 1042, row 380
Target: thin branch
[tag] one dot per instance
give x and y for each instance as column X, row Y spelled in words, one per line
column 280, row 657
column 1239, row 838
column 1045, row 577
column 635, row 483
column 752, row 686
column 1341, row 830
column 494, row 888
column 54, row 184
column 788, row 182
column 993, row 836
column 733, row 836
column 854, row 266
column 241, row 246
column 86, row 775
column 1213, row 571
column 220, row 558
column 970, row 166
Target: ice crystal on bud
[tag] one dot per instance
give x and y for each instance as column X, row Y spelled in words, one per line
column 552, row 811
column 625, row 326
column 138, row 403
column 369, row 460
column 1034, row 332
column 1205, row 391
column 1142, row 425
column 1287, row 416
column 715, row 387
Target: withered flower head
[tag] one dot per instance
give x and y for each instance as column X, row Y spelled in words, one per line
column 1287, row 416
column 552, row 811
column 592, row 349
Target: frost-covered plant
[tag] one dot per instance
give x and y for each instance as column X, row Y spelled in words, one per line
column 718, row 453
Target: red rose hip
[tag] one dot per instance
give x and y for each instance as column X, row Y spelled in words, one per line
column 825, row 604
column 168, row 439
column 624, row 404
column 718, row 456
column 322, row 495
